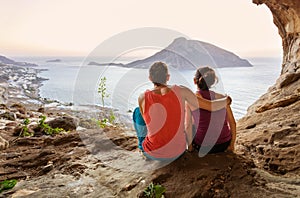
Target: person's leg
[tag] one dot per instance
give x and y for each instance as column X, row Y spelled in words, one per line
column 212, row 149
column 139, row 126
column 220, row 147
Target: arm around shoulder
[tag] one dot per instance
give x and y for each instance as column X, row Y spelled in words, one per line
column 199, row 102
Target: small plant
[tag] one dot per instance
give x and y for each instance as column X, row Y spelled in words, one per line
column 26, row 121
column 102, row 90
column 154, row 191
column 46, row 128
column 103, row 123
column 25, row 131
column 7, row 184
column 112, row 117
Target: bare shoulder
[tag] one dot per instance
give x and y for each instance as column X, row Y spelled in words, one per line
column 141, row 101
column 141, row 97
column 184, row 88
column 219, row 96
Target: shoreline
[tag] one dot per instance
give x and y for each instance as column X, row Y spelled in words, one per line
column 22, row 85
column 19, row 83
column 228, row 83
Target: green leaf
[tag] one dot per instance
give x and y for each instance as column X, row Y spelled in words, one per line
column 7, row 184
column 159, row 190
column 26, row 121
column 154, row 191
column 112, row 117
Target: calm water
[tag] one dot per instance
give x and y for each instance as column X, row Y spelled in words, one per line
column 71, row 80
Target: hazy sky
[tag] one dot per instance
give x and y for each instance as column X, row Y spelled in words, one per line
column 76, row 27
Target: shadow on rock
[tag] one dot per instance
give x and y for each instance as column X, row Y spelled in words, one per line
column 215, row 175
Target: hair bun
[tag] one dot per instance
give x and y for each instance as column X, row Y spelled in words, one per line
column 205, row 78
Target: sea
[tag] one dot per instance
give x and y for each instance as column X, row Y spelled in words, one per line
column 73, row 80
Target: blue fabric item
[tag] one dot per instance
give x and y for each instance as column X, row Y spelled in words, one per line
column 140, row 127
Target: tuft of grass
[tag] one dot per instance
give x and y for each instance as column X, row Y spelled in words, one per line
column 42, row 125
column 112, row 117
column 103, row 123
column 7, row 184
column 25, row 131
column 46, row 128
column 155, row 191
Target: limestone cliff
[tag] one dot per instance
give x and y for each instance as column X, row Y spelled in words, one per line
column 270, row 132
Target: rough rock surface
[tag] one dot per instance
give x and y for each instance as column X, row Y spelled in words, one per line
column 3, row 143
column 270, row 132
column 104, row 162
column 85, row 164
column 65, row 122
column 221, row 175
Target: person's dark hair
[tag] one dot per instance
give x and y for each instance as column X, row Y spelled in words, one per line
column 158, row 73
column 205, row 78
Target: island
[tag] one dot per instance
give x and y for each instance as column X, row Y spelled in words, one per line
column 6, row 61
column 105, row 64
column 187, row 54
column 190, row 54
column 53, row 61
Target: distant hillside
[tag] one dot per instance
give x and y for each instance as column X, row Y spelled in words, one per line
column 7, row 61
column 189, row 54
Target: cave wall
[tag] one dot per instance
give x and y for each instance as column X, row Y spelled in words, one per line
column 270, row 132
column 286, row 16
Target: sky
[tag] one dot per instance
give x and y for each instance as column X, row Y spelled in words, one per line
column 76, row 27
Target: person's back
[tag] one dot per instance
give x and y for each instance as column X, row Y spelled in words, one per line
column 164, row 115
column 211, row 127
column 214, row 131
column 159, row 120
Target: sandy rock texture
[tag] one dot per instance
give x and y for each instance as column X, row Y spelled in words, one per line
column 96, row 162
column 268, row 136
column 270, row 132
